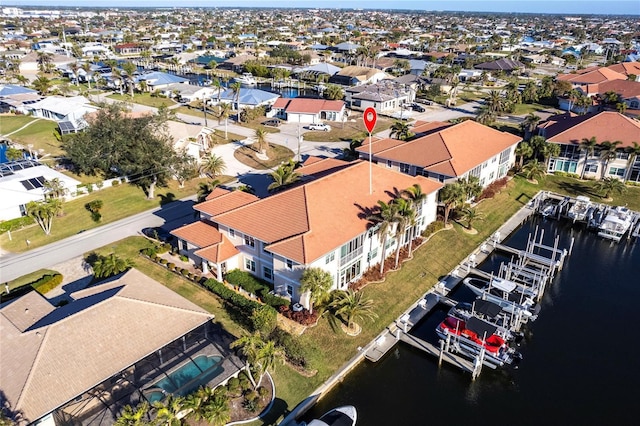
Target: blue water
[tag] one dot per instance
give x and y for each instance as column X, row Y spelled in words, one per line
column 181, row 381
column 580, row 362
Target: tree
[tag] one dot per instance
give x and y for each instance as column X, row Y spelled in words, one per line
column 588, row 146
column 54, row 188
column 550, row 150
column 621, row 107
column 249, row 345
column 212, row 165
column 415, row 195
column 534, row 170
column 523, row 151
column 261, row 140
column 383, row 219
column 107, row 266
column 471, row 187
column 496, row 102
column 42, row 84
column 86, row 67
column 633, row 151
column 405, row 218
column 197, row 402
column 44, row 61
column 400, row 130
column 217, row 411
column 74, row 67
column 206, row 188
column 471, row 214
column 131, row 416
column 349, row 306
column 486, row 116
column 529, row 124
column 167, row 411
column 94, row 208
column 184, row 168
column 129, row 68
column 451, row 195
column 608, row 152
column 538, row 144
column 115, row 143
column 317, row 282
column 609, row 185
column 266, row 357
column 284, row 176
column 530, row 92
column 14, row 154
column 43, row 212
column 333, row 92
column 235, row 88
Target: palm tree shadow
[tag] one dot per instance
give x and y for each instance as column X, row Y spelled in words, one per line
column 578, row 188
column 167, row 198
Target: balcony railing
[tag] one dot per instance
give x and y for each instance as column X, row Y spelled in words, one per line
column 350, row 256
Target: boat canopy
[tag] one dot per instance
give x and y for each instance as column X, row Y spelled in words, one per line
column 487, row 308
column 480, row 327
column 504, row 285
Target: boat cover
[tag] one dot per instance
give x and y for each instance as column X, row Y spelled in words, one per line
column 335, row 418
column 504, row 285
column 480, row 327
column 486, row 307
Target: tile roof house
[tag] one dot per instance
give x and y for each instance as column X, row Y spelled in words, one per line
column 568, row 130
column 306, row 110
column 448, row 152
column 385, row 96
column 67, row 364
column 319, row 223
column 355, row 76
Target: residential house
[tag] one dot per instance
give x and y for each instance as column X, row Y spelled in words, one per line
column 23, row 181
column 250, row 98
column 502, row 64
column 14, row 97
column 446, row 152
column 385, row 97
column 127, row 336
column 304, row 110
column 68, row 112
column 627, row 68
column 569, row 130
column 194, row 140
column 356, row 76
column 319, row 223
column 188, row 93
column 29, row 63
column 157, row 80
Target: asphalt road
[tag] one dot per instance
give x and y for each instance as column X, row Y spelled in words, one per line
column 169, row 216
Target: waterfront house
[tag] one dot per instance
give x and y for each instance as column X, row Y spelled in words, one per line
column 385, row 97
column 127, row 336
column 305, row 110
column 569, row 130
column 157, row 80
column 446, row 152
column 249, row 98
column 357, row 76
column 319, row 223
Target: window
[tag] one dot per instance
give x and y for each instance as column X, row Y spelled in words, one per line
column 504, row 155
column 232, row 233
column 290, row 290
column 591, row 168
column 389, row 243
column 372, row 254
column 330, row 258
column 349, row 273
column 249, row 265
column 616, row 171
column 389, row 164
column 249, row 241
column 267, row 273
column 476, row 171
column 289, row 264
column 405, row 168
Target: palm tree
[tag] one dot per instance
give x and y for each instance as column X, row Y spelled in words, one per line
column 550, row 150
column 212, row 165
column 608, row 152
column 538, row 143
column 235, row 88
column 86, row 67
column 317, row 282
column 44, row 61
column 261, row 140
column 54, row 188
column 523, row 150
column 471, row 187
column 471, row 214
column 384, row 219
column 486, row 116
column 197, row 402
column 405, row 218
column 451, row 195
column 74, row 67
column 217, row 410
column 43, row 212
column 633, row 151
column 14, row 154
column 167, row 411
column 609, row 185
column 496, row 102
column 133, row 416
column 588, row 146
column 573, row 95
column 283, row 176
column 249, row 345
column 349, row 306
column 621, row 107
column 206, row 188
column 400, row 129
column 333, row 92
column 218, row 85
column 129, row 68
column 267, row 356
column 415, row 195
column 106, row 266
column 529, row 124
column 42, row 84
column 534, row 170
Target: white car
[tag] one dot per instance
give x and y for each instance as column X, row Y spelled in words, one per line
column 320, row 126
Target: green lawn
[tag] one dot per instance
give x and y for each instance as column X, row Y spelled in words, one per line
column 41, row 135
column 11, row 122
column 277, row 154
column 29, row 278
column 348, row 131
column 525, row 109
column 144, row 99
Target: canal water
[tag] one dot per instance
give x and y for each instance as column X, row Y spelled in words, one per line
column 581, row 356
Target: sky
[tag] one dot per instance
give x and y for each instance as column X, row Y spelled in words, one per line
column 611, row 7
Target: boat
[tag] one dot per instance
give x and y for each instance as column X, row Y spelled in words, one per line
column 341, row 416
column 474, row 335
column 506, row 325
column 247, row 79
column 504, row 294
column 578, row 211
column 549, row 208
column 616, row 223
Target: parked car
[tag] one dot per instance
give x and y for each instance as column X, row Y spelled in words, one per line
column 158, row 233
column 418, row 108
column 274, row 122
column 320, row 126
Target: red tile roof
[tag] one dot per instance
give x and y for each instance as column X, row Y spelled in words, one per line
column 604, row 126
column 599, row 75
column 219, row 202
column 379, row 145
column 626, row 68
column 199, row 233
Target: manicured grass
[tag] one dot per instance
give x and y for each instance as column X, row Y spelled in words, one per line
column 41, row 135
column 277, row 154
column 12, row 122
column 143, row 99
column 119, row 202
column 525, row 109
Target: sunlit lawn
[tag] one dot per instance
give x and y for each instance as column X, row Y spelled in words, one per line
column 144, row 99
column 276, row 154
column 40, row 134
column 11, row 122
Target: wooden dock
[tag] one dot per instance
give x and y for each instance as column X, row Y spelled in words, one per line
column 451, row 358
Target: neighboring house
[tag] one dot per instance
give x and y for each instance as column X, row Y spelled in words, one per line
column 126, row 336
column 304, row 110
column 236, row 63
column 320, row 68
column 91, row 50
column 29, row 63
column 190, row 92
column 68, row 112
column 319, row 223
column 157, row 80
column 385, row 97
column 446, row 152
column 591, row 76
column 357, row 76
column 14, row 97
column 568, row 131
column 250, row 98
column 193, row 139
column 22, row 181
column 502, row 64
column 627, row 68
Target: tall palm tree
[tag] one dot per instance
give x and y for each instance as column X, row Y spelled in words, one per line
column 213, row 165
column 451, row 195
column 167, row 411
column 471, row 214
column 573, row 95
column 285, row 175
column 486, row 116
column 523, row 150
column 317, row 282
column 86, row 67
column 106, row 266
column 609, row 185
column 400, row 130
column 349, row 306
column 249, row 345
column 74, row 67
column 42, row 84
column 235, row 88
column 384, row 219
column 218, row 85
column 471, row 187
column 261, row 139
column 44, row 61
column 415, row 195
column 588, row 146
column 43, row 212
column 633, row 151
column 529, row 124
column 133, row 416
column 405, row 218
column 538, row 143
column 608, row 152
column 129, row 68
column 225, row 111
column 550, row 150
column 496, row 102
column 267, row 356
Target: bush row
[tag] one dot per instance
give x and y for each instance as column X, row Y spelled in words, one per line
column 253, row 285
column 492, row 189
column 432, row 228
column 47, row 283
column 15, row 224
column 246, row 305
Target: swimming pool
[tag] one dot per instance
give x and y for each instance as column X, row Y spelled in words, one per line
column 189, row 376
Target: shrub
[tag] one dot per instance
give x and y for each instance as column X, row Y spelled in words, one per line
column 251, row 396
column 262, row 391
column 272, row 299
column 432, row 228
column 264, row 319
column 163, row 261
column 184, row 258
column 47, row 283
column 171, row 266
column 250, row 405
column 164, row 248
column 245, row 280
column 303, row 317
column 184, row 272
column 294, row 351
column 234, row 386
column 99, row 184
column 15, row 224
column 115, row 182
column 245, row 306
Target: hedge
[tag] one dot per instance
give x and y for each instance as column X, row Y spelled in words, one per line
column 294, row 351
column 15, row 224
column 47, row 283
column 256, row 286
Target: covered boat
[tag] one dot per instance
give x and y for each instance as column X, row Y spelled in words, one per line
column 341, row 416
